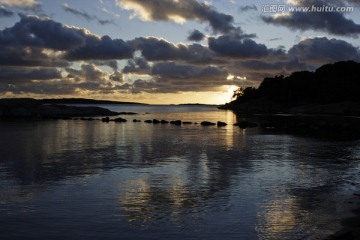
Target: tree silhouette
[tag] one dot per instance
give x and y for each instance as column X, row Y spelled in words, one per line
column 238, row 93
column 331, row 83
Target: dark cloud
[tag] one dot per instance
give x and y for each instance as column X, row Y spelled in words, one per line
column 19, row 74
column 235, row 47
column 332, row 22
column 37, row 56
column 155, row 49
column 103, row 48
column 171, row 70
column 47, row 88
column 78, row 43
column 91, row 78
column 271, row 68
column 86, row 80
column 170, row 77
column 32, row 31
column 85, row 15
column 137, row 65
column 308, row 54
column 87, row 72
column 26, row 56
column 247, row 8
column 5, row 12
column 323, row 50
column 116, row 76
column 196, row 36
column 169, row 10
column 76, row 12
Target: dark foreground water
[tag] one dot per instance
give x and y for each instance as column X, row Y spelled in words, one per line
column 91, row 180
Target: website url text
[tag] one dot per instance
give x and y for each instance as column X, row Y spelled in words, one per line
column 277, row 8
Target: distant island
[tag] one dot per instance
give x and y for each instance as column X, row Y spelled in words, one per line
column 62, row 108
column 333, row 89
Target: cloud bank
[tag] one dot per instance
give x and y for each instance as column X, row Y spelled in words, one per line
column 41, row 56
column 179, row 11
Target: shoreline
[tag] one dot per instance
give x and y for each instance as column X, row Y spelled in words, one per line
column 27, row 108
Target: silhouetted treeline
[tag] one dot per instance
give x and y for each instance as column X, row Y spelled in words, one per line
column 329, row 84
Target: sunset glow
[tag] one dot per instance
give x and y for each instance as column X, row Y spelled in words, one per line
column 163, row 51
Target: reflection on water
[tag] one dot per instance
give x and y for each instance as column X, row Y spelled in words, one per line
column 77, row 179
column 278, row 218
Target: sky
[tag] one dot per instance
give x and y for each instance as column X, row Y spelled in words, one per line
column 167, row 51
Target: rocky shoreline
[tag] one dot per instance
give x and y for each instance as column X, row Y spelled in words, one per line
column 313, row 125
column 31, row 108
column 266, row 106
column 328, row 126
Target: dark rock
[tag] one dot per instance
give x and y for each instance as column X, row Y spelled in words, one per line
column 221, row 124
column 105, row 119
column 148, row 121
column 176, row 122
column 155, row 121
column 120, row 120
column 206, row 123
column 164, row 122
column 187, row 123
column 246, row 124
column 136, row 120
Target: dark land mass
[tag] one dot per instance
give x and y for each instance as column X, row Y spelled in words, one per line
column 31, row 108
column 333, row 89
column 196, row 104
column 323, row 103
column 83, row 101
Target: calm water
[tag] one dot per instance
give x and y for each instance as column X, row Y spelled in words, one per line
column 91, row 180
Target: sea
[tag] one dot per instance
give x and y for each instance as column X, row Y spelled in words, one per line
column 77, row 179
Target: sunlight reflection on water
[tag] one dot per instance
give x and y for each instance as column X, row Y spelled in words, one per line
column 79, row 179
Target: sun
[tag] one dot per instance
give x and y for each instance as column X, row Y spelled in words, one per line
column 232, row 88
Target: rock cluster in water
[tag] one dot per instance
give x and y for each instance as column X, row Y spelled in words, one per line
column 179, row 122
column 327, row 126
column 31, row 108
